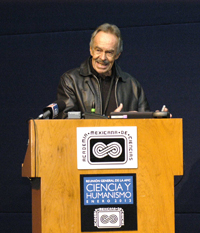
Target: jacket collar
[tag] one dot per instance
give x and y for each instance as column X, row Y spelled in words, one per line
column 86, row 71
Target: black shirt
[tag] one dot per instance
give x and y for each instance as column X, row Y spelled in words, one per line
column 108, row 99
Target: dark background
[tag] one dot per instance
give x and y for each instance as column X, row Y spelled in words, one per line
column 40, row 40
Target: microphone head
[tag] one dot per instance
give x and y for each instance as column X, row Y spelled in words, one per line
column 54, row 108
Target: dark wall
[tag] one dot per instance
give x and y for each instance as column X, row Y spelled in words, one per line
column 39, row 41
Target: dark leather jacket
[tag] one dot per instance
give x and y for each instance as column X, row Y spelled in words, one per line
column 79, row 88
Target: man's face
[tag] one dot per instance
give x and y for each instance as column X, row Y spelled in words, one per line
column 104, row 52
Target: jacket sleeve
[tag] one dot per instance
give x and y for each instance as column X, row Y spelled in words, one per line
column 143, row 105
column 131, row 94
column 65, row 91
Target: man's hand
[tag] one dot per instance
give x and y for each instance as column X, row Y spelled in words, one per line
column 167, row 110
column 164, row 109
column 119, row 108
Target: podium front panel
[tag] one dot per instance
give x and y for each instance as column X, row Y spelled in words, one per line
column 112, row 194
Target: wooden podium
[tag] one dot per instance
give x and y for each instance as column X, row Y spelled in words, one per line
column 51, row 163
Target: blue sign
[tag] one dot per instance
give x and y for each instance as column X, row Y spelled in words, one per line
column 108, row 190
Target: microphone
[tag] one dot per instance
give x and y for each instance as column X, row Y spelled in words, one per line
column 93, row 102
column 93, row 107
column 52, row 110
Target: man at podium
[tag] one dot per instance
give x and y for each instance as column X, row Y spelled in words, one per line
column 103, row 175
column 99, row 85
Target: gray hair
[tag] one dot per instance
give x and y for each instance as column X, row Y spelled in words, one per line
column 110, row 28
